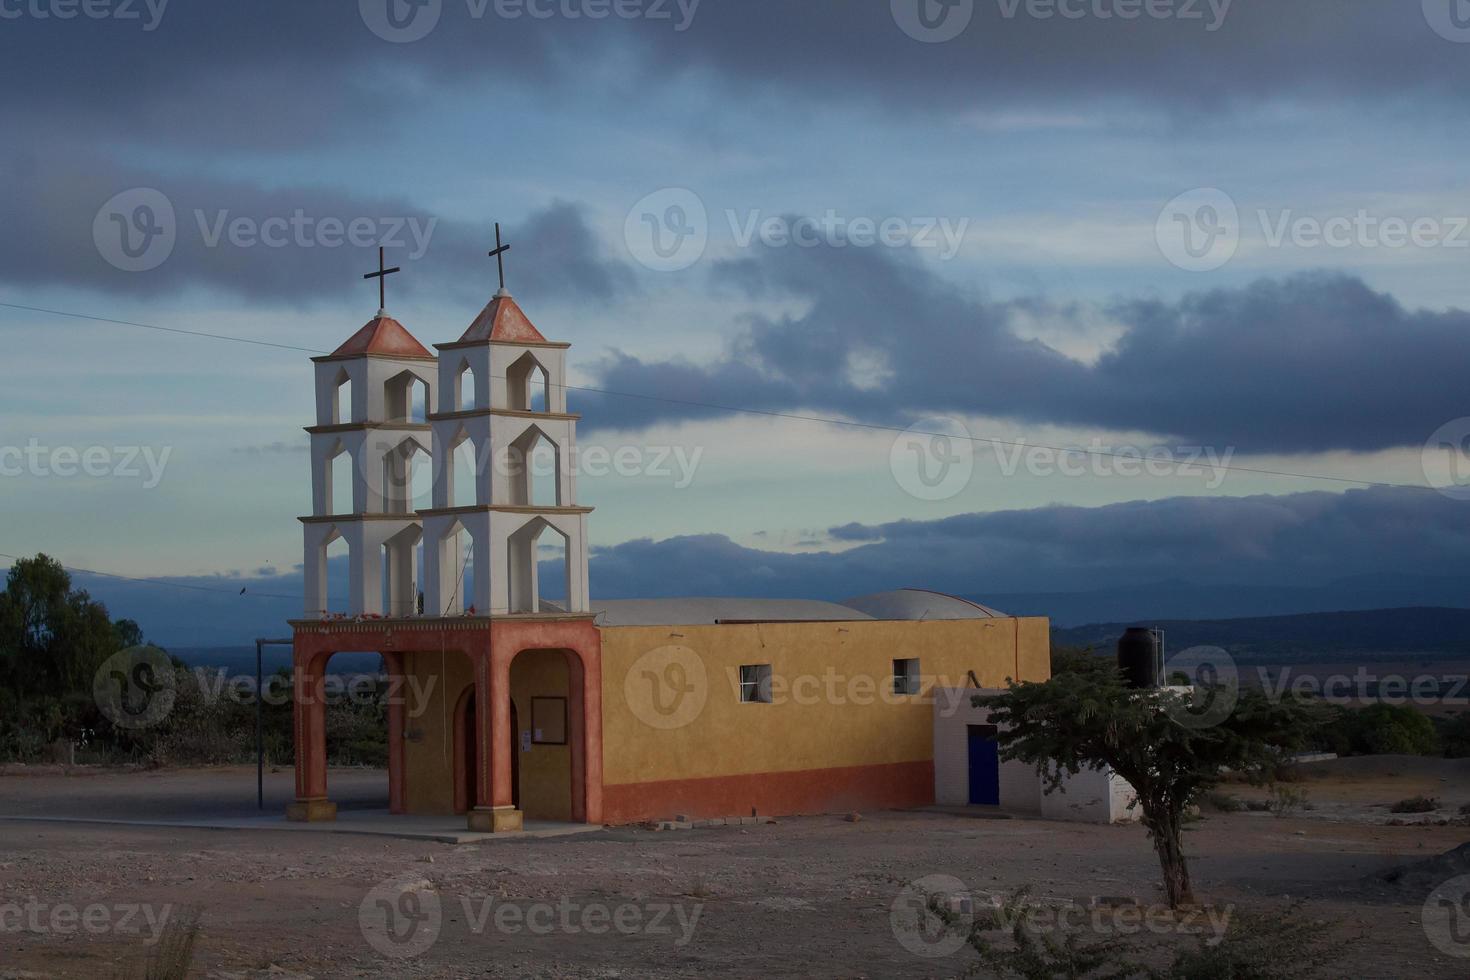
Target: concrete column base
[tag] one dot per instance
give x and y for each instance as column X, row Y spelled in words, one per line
column 495, row 820
column 312, row 811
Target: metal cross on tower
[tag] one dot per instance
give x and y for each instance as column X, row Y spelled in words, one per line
column 498, row 255
column 382, row 276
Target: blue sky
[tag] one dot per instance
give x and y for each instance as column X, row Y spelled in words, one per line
column 1054, row 150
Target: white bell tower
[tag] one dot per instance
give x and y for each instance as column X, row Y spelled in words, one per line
column 502, row 392
column 366, row 391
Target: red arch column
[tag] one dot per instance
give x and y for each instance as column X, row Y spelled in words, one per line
column 495, row 810
column 577, row 732
column 309, row 719
column 590, row 653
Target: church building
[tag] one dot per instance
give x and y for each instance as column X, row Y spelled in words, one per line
column 571, row 708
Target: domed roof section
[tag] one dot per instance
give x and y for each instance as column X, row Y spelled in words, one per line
column 502, row 319
column 385, row 336
column 709, row 611
column 917, row 604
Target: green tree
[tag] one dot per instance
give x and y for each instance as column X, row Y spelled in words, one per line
column 1161, row 742
column 53, row 637
column 1384, row 729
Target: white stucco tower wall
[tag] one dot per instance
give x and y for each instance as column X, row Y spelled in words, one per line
column 501, row 390
column 385, row 372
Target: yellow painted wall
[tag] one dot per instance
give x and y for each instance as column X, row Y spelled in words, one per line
column 832, row 688
column 428, row 749
column 546, row 770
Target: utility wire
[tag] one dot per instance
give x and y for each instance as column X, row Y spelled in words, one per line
column 790, row 416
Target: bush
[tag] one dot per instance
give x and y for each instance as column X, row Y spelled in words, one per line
column 1288, row 799
column 1223, row 802
column 1260, row 947
column 1415, row 804
column 1454, row 734
column 1382, row 729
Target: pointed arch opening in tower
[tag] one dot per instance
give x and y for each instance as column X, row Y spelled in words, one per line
column 339, row 481
column 342, row 399
column 405, row 398
column 407, row 477
column 533, row 552
column 457, row 571
column 535, row 466
column 401, row 561
column 338, row 564
column 528, row 385
column 464, row 388
column 461, row 478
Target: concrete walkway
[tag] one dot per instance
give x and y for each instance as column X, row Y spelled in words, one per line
column 223, row 798
column 381, row 823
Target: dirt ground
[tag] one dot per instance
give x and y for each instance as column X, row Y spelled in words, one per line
column 799, row 897
column 1363, row 789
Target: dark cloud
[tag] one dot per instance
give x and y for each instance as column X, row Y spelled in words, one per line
column 297, row 245
column 1313, row 362
column 1296, row 540
column 281, row 72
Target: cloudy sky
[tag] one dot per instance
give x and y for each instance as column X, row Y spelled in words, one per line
column 1231, row 237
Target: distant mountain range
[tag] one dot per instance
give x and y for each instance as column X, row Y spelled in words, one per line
column 226, row 616
column 1202, row 600
column 1390, row 634
column 240, row 661
column 1303, row 637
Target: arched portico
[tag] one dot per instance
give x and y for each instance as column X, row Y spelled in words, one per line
column 310, row 697
column 475, row 660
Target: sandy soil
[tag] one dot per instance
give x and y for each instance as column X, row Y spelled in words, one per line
column 1363, row 789
column 804, row 896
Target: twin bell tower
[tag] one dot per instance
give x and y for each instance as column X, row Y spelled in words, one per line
column 484, row 413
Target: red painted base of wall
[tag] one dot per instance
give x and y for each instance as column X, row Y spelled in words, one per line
column 893, row 785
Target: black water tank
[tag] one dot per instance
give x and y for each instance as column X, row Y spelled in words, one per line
column 1138, row 657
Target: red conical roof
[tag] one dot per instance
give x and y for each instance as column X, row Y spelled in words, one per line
column 382, row 335
column 502, row 319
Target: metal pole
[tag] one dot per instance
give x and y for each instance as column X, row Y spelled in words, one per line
column 259, row 730
column 260, row 717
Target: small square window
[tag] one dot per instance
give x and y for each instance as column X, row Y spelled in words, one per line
column 906, row 676
column 755, row 684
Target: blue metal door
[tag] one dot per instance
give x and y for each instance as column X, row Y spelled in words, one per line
column 984, row 766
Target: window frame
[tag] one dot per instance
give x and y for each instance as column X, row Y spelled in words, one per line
column 907, row 676
column 758, row 684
